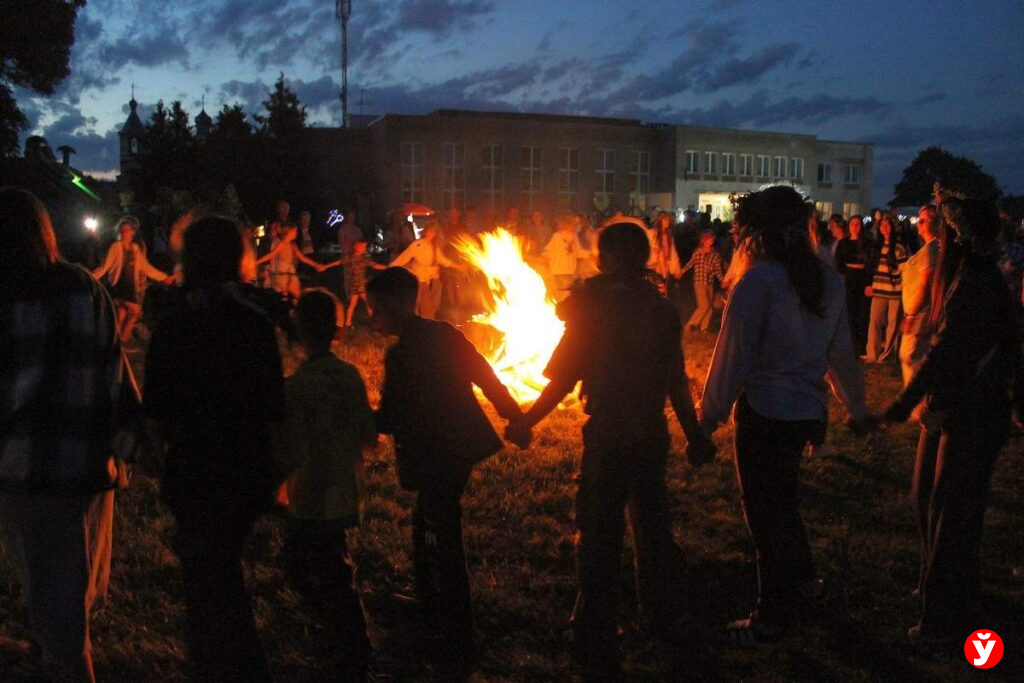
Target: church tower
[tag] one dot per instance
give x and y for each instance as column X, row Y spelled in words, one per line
column 131, row 136
column 203, row 123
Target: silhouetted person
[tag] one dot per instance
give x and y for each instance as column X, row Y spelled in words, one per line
column 965, row 383
column 428, row 406
column 623, row 340
column 320, row 448
column 59, row 383
column 214, row 383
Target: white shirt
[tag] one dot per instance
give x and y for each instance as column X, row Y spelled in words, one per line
column 562, row 252
column 423, row 259
column 778, row 353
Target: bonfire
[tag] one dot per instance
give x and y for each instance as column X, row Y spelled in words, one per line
column 522, row 312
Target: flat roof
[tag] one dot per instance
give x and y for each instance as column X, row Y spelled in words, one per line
column 598, row 120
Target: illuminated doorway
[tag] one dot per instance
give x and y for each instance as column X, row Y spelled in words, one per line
column 717, row 203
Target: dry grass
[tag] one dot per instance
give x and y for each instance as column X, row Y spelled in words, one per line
column 519, row 533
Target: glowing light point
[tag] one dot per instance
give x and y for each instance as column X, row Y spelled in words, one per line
column 91, row 224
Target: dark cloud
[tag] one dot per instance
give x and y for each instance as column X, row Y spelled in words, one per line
column 271, row 33
column 315, row 94
column 68, row 125
column 749, row 70
column 929, row 98
column 250, row 93
column 549, row 37
column 153, row 49
column 707, row 63
column 1007, row 133
column 440, row 18
column 760, row 109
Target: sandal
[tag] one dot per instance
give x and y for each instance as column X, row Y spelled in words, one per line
column 750, row 634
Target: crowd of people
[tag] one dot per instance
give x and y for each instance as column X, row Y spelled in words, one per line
column 228, row 435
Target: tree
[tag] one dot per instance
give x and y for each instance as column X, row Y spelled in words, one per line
column 169, row 153
column 35, row 44
column 936, row 165
column 285, row 114
column 284, row 163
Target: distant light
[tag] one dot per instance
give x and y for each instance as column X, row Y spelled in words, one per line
column 334, row 218
column 261, row 231
column 91, row 224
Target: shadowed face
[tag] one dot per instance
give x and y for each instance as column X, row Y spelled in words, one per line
column 855, row 228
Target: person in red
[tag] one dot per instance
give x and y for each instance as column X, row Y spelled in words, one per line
column 623, row 340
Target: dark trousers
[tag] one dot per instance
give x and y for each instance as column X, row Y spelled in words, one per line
column 219, row 626
column 623, row 469
column 768, row 468
column 439, row 554
column 319, row 565
column 950, row 488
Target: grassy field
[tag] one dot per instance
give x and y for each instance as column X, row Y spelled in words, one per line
column 520, row 537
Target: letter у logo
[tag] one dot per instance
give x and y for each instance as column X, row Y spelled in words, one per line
column 983, row 649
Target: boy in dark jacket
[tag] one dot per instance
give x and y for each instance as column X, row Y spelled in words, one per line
column 440, row 431
column 623, row 340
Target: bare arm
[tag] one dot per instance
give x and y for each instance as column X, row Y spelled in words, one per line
column 273, row 252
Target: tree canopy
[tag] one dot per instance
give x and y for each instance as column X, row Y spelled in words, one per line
column 35, row 45
column 936, row 165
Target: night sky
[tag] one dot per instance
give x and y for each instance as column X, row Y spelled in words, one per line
column 901, row 75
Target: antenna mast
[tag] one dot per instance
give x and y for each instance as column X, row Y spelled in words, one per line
column 343, row 10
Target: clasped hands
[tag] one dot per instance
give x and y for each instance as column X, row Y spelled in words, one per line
column 519, row 432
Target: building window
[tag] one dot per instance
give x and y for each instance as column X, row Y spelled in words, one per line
column 746, row 164
column 692, row 162
column 134, row 145
column 796, row 168
column 604, row 178
column 568, row 177
column 711, row 163
column 728, row 164
column 780, row 167
column 492, row 159
column 851, row 174
column 764, row 166
column 640, row 174
column 824, row 209
column 412, row 171
column 529, row 176
column 453, row 175
column 851, row 209
column 824, row 173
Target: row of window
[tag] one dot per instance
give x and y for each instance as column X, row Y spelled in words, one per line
column 851, row 173
column 492, row 179
column 766, row 166
column 783, row 167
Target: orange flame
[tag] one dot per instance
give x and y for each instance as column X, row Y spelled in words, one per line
column 523, row 312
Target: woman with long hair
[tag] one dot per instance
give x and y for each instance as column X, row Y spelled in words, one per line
column 885, row 290
column 851, row 258
column 127, row 270
column 784, row 328
column 966, row 384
